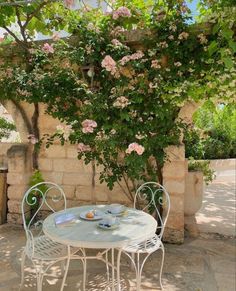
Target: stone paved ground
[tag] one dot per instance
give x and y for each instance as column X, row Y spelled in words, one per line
column 218, row 212
column 203, row 264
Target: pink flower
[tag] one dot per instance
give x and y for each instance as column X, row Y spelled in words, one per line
column 121, row 102
column 135, row 147
column 136, row 56
column 88, row 125
column 109, row 64
column 121, row 12
column 155, row 64
column 55, row 36
column 116, row 42
column 65, row 130
column 69, row 3
column 47, row 48
column 183, row 35
column 83, row 148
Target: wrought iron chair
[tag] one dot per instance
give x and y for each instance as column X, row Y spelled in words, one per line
column 156, row 200
column 41, row 250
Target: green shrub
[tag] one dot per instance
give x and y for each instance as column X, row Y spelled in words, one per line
column 213, row 135
column 5, row 128
column 204, row 167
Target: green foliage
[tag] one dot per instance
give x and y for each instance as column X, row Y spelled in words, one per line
column 204, row 167
column 214, row 133
column 6, row 128
column 129, row 96
column 35, row 179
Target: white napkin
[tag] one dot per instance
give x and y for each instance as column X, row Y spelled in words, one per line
column 65, row 219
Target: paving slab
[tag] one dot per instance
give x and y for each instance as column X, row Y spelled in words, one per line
column 202, row 264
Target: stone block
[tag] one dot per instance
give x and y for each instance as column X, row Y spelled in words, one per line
column 174, row 185
column 17, row 165
column 175, row 153
column 68, row 165
column 116, row 195
column 174, row 169
column 177, row 202
column 55, row 177
column 45, row 164
column 18, row 178
column 56, row 205
column 77, row 179
column 19, row 158
column 16, row 192
column 69, row 191
column 14, row 218
column 176, row 220
column 172, row 235
column 14, row 206
column 71, row 152
column 75, row 203
column 55, row 151
column 101, row 193
column 84, row 193
column 47, row 121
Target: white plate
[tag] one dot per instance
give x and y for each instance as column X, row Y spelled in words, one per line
column 98, row 215
column 108, row 226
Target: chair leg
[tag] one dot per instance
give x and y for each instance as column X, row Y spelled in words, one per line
column 22, row 268
column 118, row 269
column 107, row 267
column 65, row 274
column 162, row 263
column 138, row 273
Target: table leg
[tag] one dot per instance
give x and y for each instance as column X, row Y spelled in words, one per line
column 118, row 269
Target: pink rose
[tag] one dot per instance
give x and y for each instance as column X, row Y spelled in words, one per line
column 69, row 3
column 109, row 64
column 135, row 147
column 83, row 148
column 121, row 12
column 88, row 126
column 47, row 48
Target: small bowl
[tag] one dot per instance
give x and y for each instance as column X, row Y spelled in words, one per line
column 116, row 208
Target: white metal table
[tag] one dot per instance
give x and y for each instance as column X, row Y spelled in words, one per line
column 135, row 226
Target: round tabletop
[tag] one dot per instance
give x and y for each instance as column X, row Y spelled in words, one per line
column 136, row 225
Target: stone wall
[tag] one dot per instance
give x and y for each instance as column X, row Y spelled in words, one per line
column 59, row 164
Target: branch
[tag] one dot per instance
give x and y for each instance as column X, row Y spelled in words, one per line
column 15, row 37
column 22, row 29
column 32, row 14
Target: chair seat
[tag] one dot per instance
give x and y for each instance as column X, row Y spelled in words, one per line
column 48, row 250
column 148, row 246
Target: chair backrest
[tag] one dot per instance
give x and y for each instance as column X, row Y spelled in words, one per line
column 153, row 197
column 46, row 196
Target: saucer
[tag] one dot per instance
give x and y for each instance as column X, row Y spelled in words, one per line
column 102, row 224
column 97, row 216
column 109, row 211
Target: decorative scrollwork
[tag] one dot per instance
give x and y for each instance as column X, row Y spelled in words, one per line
column 44, row 195
column 153, row 197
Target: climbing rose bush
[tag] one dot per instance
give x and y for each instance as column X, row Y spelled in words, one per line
column 119, row 100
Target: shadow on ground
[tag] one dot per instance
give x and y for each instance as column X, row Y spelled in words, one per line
column 203, row 264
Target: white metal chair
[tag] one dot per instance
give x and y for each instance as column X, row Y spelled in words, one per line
column 156, row 200
column 41, row 250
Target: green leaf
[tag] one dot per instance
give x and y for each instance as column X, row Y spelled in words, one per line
column 213, row 47
column 227, row 33
column 232, row 45
column 228, row 62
